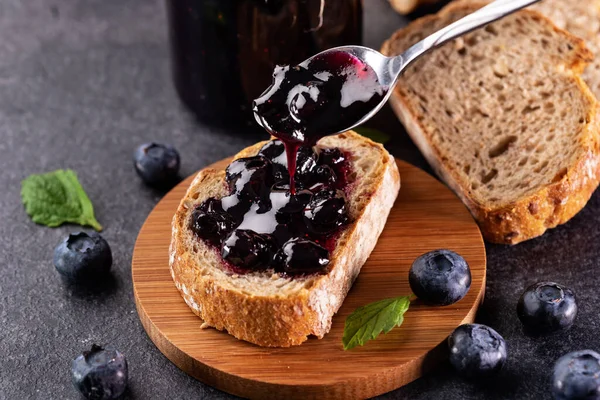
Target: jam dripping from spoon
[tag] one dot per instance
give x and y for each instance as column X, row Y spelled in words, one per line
column 317, row 98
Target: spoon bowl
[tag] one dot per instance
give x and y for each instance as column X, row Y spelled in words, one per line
column 389, row 69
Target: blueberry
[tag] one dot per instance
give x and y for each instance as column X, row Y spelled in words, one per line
column 250, row 179
column 273, row 149
column 306, row 162
column 302, row 256
column 210, row 222
column 323, row 177
column 476, row 350
column 326, row 211
column 245, row 169
column 440, row 277
column 100, row 374
column 156, row 164
column 332, row 157
column 547, row 307
column 577, row 376
column 83, row 257
column 247, row 249
column 308, row 101
column 295, row 203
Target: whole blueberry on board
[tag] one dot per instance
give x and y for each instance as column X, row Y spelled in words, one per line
column 547, row 307
column 100, row 374
column 476, row 350
column 577, row 376
column 157, row 164
column 82, row 257
column 440, row 277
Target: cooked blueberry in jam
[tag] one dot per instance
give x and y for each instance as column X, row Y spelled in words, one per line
column 294, row 203
column 272, row 150
column 332, row 157
column 263, row 224
column 301, row 256
column 249, row 181
column 322, row 178
column 211, row 222
column 249, row 176
column 326, row 211
column 246, row 248
column 322, row 96
column 306, row 163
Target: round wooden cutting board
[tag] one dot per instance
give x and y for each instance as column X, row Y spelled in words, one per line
column 426, row 216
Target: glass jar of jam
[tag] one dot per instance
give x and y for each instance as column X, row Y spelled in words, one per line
column 224, row 51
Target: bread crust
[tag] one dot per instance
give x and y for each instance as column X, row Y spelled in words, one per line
column 529, row 216
column 282, row 321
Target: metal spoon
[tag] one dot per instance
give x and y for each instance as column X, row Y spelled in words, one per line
column 389, row 69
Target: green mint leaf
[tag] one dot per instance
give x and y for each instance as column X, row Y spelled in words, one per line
column 373, row 134
column 367, row 322
column 57, row 197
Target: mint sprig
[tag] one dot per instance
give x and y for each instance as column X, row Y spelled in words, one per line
column 57, row 197
column 367, row 322
column 373, row 134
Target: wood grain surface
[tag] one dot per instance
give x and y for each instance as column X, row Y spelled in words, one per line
column 426, row 216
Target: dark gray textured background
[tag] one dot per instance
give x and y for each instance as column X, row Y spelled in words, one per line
column 82, row 82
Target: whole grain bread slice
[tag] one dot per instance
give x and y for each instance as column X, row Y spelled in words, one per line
column 266, row 308
column 504, row 118
column 581, row 18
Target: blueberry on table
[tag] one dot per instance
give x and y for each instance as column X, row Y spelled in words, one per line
column 83, row 257
column 440, row 277
column 547, row 307
column 156, row 164
column 577, row 376
column 476, row 350
column 100, row 374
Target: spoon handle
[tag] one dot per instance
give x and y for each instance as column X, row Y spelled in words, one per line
column 479, row 18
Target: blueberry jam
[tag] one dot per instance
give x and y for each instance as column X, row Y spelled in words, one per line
column 322, row 96
column 263, row 225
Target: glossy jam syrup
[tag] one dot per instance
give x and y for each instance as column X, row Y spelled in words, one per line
column 319, row 97
column 262, row 225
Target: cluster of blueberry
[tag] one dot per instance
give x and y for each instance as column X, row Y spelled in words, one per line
column 442, row 277
column 85, row 258
column 262, row 224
